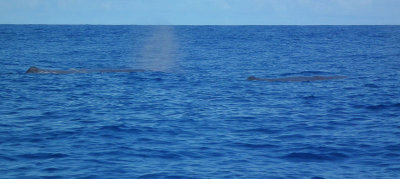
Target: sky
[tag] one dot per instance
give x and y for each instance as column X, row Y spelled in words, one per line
column 201, row 12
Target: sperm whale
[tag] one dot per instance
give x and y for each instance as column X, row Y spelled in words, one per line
column 48, row 71
column 297, row 78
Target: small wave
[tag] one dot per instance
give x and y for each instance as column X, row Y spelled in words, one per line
column 255, row 146
column 163, row 175
column 307, row 73
column 395, row 169
column 317, row 177
column 244, row 117
column 312, row 157
column 43, row 156
column 8, row 73
column 259, row 130
column 120, row 152
column 152, row 141
column 395, row 147
column 6, row 158
column 292, row 136
column 310, row 97
column 392, row 155
column 383, row 106
column 158, row 154
column 120, row 128
column 52, row 169
column 371, row 86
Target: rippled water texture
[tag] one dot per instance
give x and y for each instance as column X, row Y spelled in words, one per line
column 192, row 113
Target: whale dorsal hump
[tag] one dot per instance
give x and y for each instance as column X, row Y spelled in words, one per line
column 251, row 78
column 32, row 70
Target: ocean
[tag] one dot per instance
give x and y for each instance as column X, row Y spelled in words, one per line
column 192, row 113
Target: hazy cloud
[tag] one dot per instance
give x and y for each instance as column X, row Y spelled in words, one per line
column 201, row 11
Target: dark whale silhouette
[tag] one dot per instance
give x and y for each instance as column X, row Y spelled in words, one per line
column 47, row 71
column 297, row 78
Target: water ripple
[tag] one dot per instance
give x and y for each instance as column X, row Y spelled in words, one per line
column 315, row 157
column 42, row 156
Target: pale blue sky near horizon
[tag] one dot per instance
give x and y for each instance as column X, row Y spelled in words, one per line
column 201, row 12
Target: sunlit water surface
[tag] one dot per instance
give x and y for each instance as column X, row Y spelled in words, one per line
column 192, row 113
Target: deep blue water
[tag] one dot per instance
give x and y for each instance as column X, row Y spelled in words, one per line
column 193, row 114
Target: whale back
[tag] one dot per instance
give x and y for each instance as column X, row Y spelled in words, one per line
column 34, row 69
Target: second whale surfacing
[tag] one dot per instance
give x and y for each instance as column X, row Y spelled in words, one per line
column 48, row 71
column 297, row 78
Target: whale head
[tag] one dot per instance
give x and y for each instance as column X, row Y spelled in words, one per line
column 33, row 70
column 251, row 78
